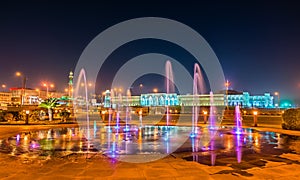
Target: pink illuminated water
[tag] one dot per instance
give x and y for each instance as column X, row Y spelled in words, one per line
column 198, row 88
column 238, row 119
column 212, row 112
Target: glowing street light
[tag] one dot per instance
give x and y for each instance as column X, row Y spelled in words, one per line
column 19, row 74
column 255, row 118
column 205, row 116
column 141, row 87
column 47, row 85
column 155, row 90
column 38, row 90
column 227, row 84
column 278, row 98
column 3, row 86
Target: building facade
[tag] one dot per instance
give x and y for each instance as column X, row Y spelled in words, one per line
column 31, row 96
column 243, row 99
column 248, row 101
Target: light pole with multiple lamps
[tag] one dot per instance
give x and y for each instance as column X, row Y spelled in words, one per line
column 47, row 88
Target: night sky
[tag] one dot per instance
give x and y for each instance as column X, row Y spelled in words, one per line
column 257, row 43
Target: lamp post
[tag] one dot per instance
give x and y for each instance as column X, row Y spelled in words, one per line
column 278, row 99
column 141, row 87
column 205, row 116
column 27, row 116
column 227, row 84
column 24, row 79
column 47, row 88
column 3, row 87
column 255, row 118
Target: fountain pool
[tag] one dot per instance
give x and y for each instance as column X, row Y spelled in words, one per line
column 148, row 143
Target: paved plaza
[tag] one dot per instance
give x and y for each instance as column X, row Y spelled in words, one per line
column 99, row 166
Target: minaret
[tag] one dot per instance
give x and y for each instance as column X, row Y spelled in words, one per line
column 71, row 84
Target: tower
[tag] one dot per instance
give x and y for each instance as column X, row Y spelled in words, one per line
column 71, row 84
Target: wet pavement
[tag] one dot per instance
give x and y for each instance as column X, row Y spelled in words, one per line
column 269, row 153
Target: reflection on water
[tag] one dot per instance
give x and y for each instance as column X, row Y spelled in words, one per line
column 228, row 145
column 150, row 140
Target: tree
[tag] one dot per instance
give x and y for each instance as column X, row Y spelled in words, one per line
column 50, row 104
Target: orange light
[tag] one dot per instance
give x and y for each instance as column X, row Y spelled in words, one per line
column 227, row 83
column 52, row 85
column 255, row 113
column 205, row 112
column 37, row 89
column 155, row 90
column 18, row 74
column 3, row 86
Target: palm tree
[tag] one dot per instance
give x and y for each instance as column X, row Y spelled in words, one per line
column 50, row 104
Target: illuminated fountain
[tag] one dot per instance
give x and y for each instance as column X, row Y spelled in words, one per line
column 238, row 120
column 83, row 106
column 110, row 110
column 169, row 85
column 128, row 111
column 238, row 148
column 198, row 88
column 212, row 112
column 119, row 109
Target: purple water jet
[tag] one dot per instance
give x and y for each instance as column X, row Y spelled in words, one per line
column 212, row 112
column 198, row 88
column 238, row 120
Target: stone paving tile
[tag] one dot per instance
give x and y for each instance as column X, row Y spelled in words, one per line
column 227, row 176
column 127, row 173
column 160, row 173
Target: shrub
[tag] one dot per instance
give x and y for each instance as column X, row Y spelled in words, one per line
column 291, row 119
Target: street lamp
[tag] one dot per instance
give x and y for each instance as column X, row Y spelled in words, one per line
column 141, row 87
column 27, row 116
column 19, row 74
column 227, row 84
column 278, row 99
column 155, row 90
column 255, row 118
column 47, row 87
column 205, row 116
column 3, row 86
column 38, row 90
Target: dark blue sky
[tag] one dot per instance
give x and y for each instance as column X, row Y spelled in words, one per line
column 257, row 43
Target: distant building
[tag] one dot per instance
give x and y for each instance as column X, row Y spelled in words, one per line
column 159, row 99
column 234, row 98
column 31, row 96
column 248, row 101
column 5, row 99
column 201, row 100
